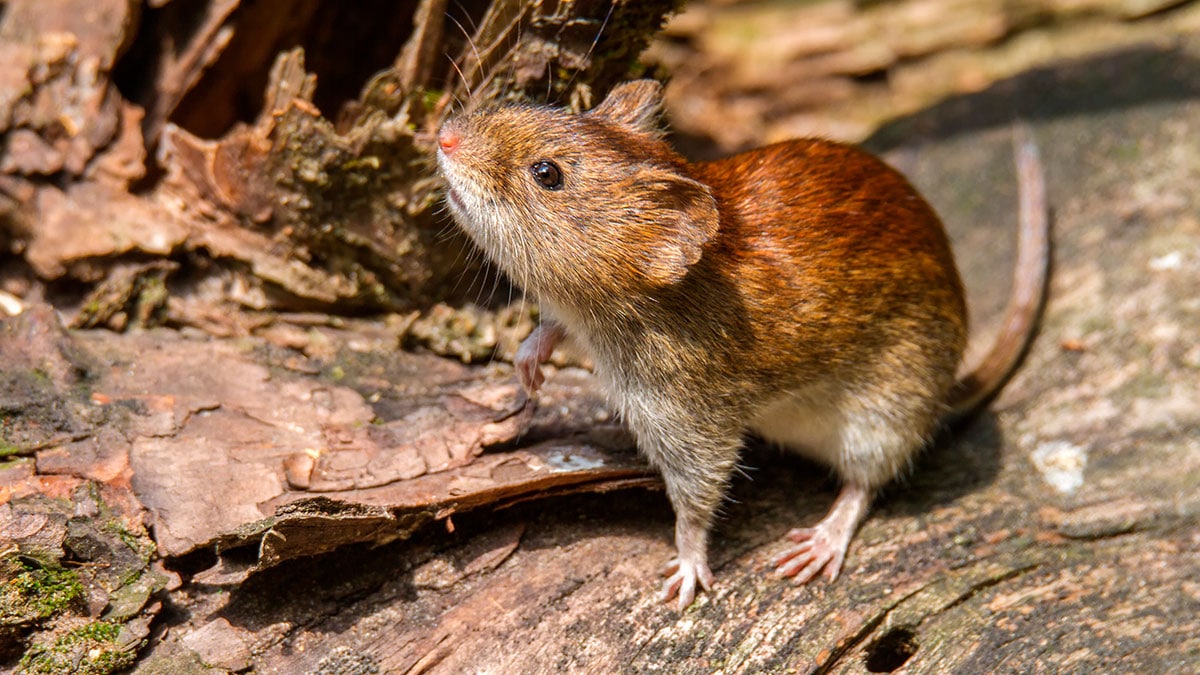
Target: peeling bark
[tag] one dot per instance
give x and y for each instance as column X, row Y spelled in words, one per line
column 303, row 172
column 307, row 496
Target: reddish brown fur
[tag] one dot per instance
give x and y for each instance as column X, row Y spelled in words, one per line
column 804, row 290
column 845, row 231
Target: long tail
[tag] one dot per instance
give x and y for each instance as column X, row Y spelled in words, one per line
column 1029, row 287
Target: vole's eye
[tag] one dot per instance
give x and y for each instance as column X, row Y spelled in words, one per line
column 547, row 174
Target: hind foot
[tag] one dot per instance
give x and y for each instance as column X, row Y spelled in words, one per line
column 823, row 547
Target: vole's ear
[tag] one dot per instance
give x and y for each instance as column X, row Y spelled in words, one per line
column 634, row 104
column 677, row 217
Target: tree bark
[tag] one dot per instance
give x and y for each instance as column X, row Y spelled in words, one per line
column 306, row 497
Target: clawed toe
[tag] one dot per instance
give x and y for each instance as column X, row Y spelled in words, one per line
column 530, row 376
column 791, row 553
column 681, row 585
column 670, row 568
column 811, row 554
column 682, row 579
column 802, row 534
column 802, row 566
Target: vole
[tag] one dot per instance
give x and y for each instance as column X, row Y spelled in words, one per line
column 802, row 291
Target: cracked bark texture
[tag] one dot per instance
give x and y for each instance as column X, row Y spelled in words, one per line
column 286, row 153
column 289, row 493
column 1056, row 533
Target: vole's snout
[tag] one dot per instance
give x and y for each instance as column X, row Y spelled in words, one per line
column 448, row 140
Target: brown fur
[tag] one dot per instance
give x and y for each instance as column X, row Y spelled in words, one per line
column 805, row 275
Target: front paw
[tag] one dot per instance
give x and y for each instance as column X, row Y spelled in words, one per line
column 682, row 577
column 529, row 374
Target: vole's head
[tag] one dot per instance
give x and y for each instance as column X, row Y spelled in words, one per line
column 576, row 207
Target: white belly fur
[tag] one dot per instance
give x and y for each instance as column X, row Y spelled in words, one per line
column 867, row 440
column 803, row 424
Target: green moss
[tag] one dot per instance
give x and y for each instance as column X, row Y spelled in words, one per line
column 369, row 162
column 6, row 464
column 430, row 98
column 125, row 602
column 34, row 591
column 139, row 544
column 92, row 649
column 8, row 449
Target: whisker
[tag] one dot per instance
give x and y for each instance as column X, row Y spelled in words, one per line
column 463, row 77
column 471, row 44
column 595, row 41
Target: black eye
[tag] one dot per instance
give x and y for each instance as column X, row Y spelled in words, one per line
column 547, row 174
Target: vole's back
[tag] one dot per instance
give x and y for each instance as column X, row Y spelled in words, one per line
column 839, row 264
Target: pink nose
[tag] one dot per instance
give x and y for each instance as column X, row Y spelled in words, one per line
column 448, row 141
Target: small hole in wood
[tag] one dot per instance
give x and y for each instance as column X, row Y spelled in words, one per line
column 891, row 651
